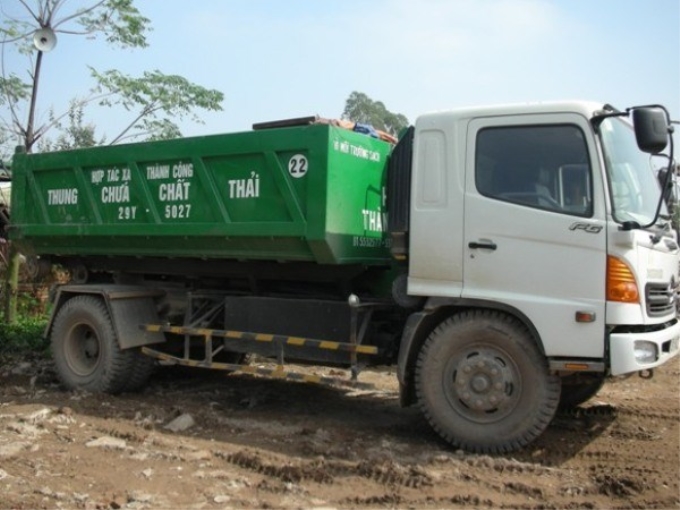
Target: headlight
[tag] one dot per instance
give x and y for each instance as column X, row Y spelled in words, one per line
column 645, row 352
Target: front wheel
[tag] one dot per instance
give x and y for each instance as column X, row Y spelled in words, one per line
column 483, row 384
column 85, row 348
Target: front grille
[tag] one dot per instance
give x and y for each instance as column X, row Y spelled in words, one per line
column 660, row 299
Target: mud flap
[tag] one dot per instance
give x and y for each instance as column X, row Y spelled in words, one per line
column 128, row 306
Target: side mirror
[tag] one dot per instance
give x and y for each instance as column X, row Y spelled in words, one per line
column 651, row 129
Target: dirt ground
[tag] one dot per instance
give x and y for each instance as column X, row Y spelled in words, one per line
column 246, row 442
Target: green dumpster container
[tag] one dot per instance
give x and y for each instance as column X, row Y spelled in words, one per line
column 307, row 193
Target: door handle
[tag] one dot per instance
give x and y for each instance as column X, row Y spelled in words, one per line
column 488, row 245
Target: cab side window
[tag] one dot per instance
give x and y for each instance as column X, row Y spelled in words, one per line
column 543, row 166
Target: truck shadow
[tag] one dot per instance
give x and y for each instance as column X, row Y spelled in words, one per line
column 306, row 420
column 570, row 432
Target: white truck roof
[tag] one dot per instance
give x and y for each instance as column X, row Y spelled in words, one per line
column 585, row 108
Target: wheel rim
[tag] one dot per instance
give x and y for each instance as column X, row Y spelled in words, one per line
column 82, row 350
column 483, row 384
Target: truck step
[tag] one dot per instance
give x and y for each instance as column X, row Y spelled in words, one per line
column 274, row 373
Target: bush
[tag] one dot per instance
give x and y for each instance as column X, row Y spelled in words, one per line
column 26, row 336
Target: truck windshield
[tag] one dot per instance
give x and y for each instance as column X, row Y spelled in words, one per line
column 634, row 188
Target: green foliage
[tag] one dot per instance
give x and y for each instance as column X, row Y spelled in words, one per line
column 155, row 100
column 155, row 97
column 361, row 108
column 5, row 154
column 76, row 135
column 13, row 89
column 24, row 336
column 119, row 20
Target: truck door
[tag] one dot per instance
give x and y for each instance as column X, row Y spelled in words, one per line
column 535, row 236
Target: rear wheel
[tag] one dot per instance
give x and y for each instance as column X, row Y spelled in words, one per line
column 141, row 370
column 85, row 348
column 483, row 384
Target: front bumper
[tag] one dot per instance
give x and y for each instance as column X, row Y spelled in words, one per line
column 657, row 346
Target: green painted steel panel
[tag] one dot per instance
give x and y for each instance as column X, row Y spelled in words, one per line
column 301, row 193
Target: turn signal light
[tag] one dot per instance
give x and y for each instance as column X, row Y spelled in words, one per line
column 621, row 284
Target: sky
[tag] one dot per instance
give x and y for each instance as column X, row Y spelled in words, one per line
column 276, row 59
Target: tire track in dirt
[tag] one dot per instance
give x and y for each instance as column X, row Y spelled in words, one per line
column 327, row 472
column 649, row 412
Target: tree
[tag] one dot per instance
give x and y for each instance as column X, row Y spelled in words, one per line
column 4, row 141
column 152, row 99
column 361, row 108
column 77, row 134
column 153, row 94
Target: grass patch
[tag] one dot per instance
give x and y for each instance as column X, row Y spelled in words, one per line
column 26, row 336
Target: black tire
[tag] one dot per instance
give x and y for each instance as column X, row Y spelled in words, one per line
column 483, row 385
column 85, row 348
column 579, row 388
column 141, row 370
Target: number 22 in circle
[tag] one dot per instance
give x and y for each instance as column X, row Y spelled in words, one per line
column 297, row 166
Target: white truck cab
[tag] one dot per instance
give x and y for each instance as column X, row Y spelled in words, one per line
column 528, row 207
column 549, row 217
